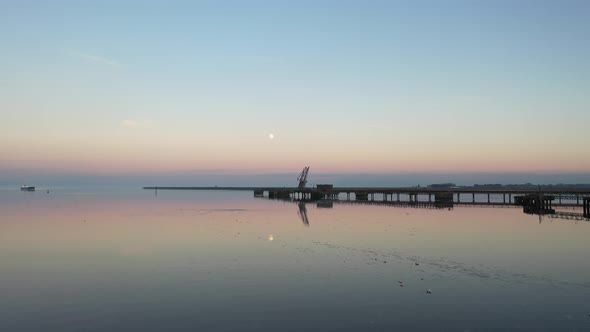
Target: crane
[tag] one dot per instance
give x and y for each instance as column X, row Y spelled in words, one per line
column 303, row 177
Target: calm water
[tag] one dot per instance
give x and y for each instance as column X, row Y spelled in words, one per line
column 107, row 260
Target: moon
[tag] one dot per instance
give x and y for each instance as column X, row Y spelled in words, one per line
column 271, row 136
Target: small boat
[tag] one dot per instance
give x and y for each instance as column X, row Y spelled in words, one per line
column 27, row 188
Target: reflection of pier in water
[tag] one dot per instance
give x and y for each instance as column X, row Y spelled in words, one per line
column 303, row 213
column 538, row 204
column 532, row 201
column 325, row 203
column 568, row 216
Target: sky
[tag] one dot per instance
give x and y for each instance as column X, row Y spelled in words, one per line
column 260, row 87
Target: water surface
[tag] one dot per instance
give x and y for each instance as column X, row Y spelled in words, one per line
column 104, row 259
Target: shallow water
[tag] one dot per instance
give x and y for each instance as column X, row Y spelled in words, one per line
column 121, row 259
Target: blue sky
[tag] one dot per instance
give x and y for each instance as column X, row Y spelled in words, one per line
column 346, row 86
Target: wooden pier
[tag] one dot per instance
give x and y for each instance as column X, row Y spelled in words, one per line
column 537, row 203
column 456, row 195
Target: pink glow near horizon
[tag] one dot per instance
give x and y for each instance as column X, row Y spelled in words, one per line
column 118, row 164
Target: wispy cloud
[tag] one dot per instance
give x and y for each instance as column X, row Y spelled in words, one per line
column 376, row 126
column 130, row 123
column 135, row 123
column 94, row 58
